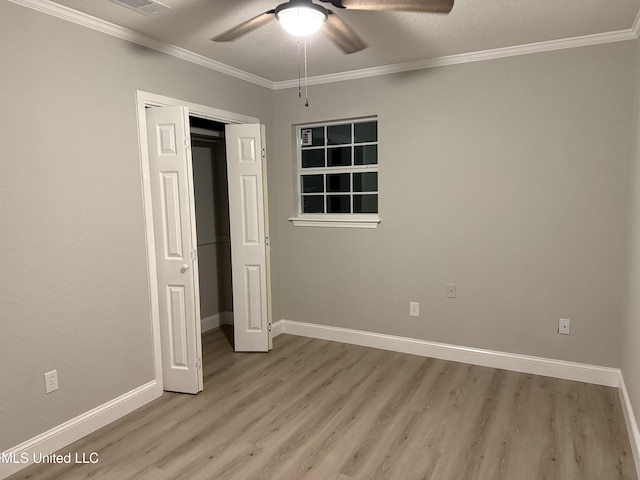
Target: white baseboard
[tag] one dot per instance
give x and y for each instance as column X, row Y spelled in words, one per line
column 632, row 425
column 276, row 328
column 487, row 358
column 214, row 321
column 78, row 427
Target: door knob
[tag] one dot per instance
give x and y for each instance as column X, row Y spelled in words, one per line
column 184, row 268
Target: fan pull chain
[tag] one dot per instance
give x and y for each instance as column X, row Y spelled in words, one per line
column 306, row 77
column 299, row 85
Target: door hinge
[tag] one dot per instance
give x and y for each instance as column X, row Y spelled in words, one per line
column 187, row 142
column 266, row 241
column 198, row 364
column 269, row 326
column 264, row 153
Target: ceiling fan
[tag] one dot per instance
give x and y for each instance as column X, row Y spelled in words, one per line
column 303, row 17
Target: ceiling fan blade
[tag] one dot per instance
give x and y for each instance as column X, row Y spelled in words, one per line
column 429, row 6
column 342, row 34
column 245, row 27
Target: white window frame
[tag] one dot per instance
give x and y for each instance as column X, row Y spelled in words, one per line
column 345, row 220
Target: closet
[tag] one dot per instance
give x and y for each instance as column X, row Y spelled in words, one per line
column 212, row 222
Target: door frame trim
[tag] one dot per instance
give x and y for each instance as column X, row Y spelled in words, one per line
column 144, row 100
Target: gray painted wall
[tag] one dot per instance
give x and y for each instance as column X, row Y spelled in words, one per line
column 631, row 326
column 73, row 272
column 506, row 177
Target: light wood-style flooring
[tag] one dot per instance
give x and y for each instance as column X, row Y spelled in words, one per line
column 322, row 410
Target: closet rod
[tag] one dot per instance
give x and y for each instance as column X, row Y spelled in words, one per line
column 205, row 132
column 198, row 138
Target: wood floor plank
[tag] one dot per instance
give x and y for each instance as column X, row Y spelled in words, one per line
column 283, row 394
column 320, row 410
column 361, row 452
column 334, row 445
column 293, row 401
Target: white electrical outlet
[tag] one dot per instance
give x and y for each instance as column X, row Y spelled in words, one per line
column 451, row 290
column 414, row 309
column 564, row 326
column 51, row 381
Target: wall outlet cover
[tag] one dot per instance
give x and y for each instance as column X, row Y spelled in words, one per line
column 51, row 381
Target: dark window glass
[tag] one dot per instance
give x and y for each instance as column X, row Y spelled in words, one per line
column 312, row 183
column 365, row 132
column 313, row 204
column 365, row 204
column 318, row 136
column 365, row 182
column 338, row 204
column 338, row 134
column 365, row 155
column 339, row 157
column 313, row 158
column 338, row 182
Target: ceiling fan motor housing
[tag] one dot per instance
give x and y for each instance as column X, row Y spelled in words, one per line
column 302, row 4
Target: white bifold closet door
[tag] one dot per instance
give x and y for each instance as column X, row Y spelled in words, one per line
column 249, row 242
column 175, row 247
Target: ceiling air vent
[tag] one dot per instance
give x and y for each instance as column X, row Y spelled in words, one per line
column 144, row 7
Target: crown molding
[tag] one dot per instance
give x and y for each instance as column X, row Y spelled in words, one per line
column 551, row 45
column 66, row 13
column 74, row 16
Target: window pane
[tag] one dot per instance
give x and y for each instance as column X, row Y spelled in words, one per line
column 318, row 136
column 338, row 157
column 312, row 137
column 365, row 182
column 312, row 184
column 365, row 132
column 313, row 158
column 313, row 204
column 338, row 204
column 338, row 182
column 365, row 203
column 365, row 155
column 338, row 134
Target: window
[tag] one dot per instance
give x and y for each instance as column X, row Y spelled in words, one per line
column 338, row 173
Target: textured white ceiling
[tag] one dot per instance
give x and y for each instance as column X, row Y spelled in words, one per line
column 393, row 37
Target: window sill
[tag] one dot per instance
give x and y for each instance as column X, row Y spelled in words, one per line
column 368, row 221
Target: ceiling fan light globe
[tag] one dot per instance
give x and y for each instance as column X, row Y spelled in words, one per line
column 301, row 21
